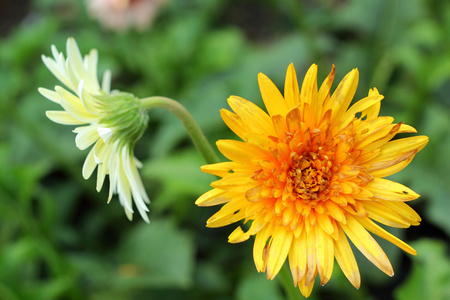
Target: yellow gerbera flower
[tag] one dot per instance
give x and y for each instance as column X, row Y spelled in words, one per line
column 111, row 120
column 309, row 175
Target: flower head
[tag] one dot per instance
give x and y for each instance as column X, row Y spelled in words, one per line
column 123, row 14
column 112, row 121
column 308, row 176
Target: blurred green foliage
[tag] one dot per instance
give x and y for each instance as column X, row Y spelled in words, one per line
column 59, row 239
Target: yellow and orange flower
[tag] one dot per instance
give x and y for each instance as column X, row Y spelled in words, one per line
column 309, row 176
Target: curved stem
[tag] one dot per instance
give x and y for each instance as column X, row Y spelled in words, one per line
column 194, row 131
column 292, row 292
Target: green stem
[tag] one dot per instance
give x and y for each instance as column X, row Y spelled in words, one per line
column 285, row 277
column 194, row 131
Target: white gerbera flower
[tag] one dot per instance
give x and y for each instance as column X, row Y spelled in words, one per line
column 112, row 121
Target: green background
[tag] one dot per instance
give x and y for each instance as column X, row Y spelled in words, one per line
column 60, row 240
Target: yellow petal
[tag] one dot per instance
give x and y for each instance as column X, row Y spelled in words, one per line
column 260, row 247
column 308, row 92
column 260, row 140
column 390, row 190
column 291, row 91
column 335, row 211
column 273, row 100
column 359, row 106
column 385, row 215
column 235, row 183
column 254, row 117
column 231, row 212
column 406, row 129
column 324, row 93
column 326, row 223
column 392, row 169
column 240, row 151
column 389, row 132
column 293, row 120
column 279, row 123
column 372, row 111
column 371, row 130
column 297, row 257
column 234, row 122
column 223, row 169
column 306, row 289
column 404, row 210
column 397, row 151
column 375, row 229
column 311, row 271
column 343, row 95
column 214, row 197
column 324, row 254
column 279, row 249
column 346, row 260
column 367, row 245
column 238, row 236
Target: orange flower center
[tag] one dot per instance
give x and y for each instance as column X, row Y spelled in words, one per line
column 310, row 175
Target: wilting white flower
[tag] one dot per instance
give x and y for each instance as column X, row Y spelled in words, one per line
column 122, row 14
column 112, row 121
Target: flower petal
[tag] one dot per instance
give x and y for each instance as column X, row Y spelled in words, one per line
column 254, row 118
column 62, row 117
column 390, row 190
column 51, row 95
column 324, row 254
column 214, row 197
column 375, row 229
column 346, row 259
column 342, row 96
column 291, row 91
column 273, row 100
column 278, row 251
column 367, row 245
column 87, row 136
column 397, row 151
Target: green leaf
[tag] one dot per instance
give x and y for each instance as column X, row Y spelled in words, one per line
column 179, row 175
column 157, row 255
column 255, row 286
column 430, row 275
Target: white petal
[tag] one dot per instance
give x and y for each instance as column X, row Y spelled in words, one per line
column 89, row 165
column 56, row 70
column 74, row 60
column 86, row 137
column 62, row 117
column 49, row 94
column 106, row 82
column 105, row 133
column 123, row 189
column 133, row 182
column 100, row 151
column 77, row 111
column 90, row 64
column 103, row 169
column 87, row 100
column 113, row 174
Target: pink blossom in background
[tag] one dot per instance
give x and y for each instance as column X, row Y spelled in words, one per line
column 120, row 15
